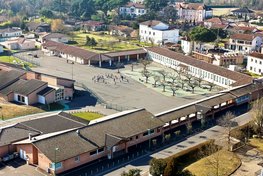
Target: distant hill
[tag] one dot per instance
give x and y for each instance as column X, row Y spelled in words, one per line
column 254, row 4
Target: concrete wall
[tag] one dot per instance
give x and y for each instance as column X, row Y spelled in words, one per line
column 33, row 97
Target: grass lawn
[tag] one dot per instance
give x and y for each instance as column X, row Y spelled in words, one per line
column 227, row 163
column 12, row 110
column 106, row 43
column 13, row 60
column 88, row 115
column 256, row 142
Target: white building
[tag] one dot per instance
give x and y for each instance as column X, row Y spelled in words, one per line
column 133, row 9
column 194, row 12
column 255, row 63
column 211, row 73
column 158, row 32
column 10, row 32
column 20, row 44
column 56, row 37
column 245, row 42
column 186, row 45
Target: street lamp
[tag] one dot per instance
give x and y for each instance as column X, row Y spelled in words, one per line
column 55, row 160
column 72, row 69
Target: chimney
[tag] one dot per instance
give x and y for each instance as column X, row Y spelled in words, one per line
column 30, row 136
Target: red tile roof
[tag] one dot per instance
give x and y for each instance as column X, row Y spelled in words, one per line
column 136, row 5
column 235, row 76
column 257, row 55
column 247, row 37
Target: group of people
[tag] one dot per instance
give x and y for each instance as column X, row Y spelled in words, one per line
column 110, row 78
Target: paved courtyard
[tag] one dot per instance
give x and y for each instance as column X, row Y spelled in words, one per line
column 131, row 93
column 18, row 167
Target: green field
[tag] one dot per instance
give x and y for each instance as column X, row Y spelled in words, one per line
column 257, row 142
column 88, row 115
column 13, row 60
column 106, row 43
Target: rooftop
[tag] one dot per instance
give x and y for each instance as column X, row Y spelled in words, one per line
column 8, row 77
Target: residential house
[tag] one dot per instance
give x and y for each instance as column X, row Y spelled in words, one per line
column 193, row 12
column 158, row 32
column 38, row 27
column 133, row 9
column 10, row 32
column 245, row 42
column 93, row 26
column 244, row 13
column 122, row 31
column 238, row 29
column 56, row 37
column 216, row 23
column 20, row 43
column 211, row 73
column 255, row 63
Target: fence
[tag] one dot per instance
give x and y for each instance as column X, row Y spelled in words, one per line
column 27, row 59
column 101, row 101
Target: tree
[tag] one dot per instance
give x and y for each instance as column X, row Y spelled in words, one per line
column 174, row 89
column 132, row 172
column 107, row 5
column 157, row 166
column 145, row 63
column 202, row 34
column 118, row 66
column 188, row 77
column 146, row 74
column 228, row 124
column 171, row 168
column 46, row 13
column 173, row 77
column 88, row 40
column 211, row 85
column 200, row 79
column 257, row 114
column 57, row 25
column 193, row 84
column 163, row 84
column 156, row 79
column 170, row 14
column 82, row 9
column 163, row 73
column 156, row 5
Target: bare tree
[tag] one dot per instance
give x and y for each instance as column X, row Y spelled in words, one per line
column 152, row 41
column 200, row 79
column 188, row 76
column 163, row 84
column 163, row 73
column 146, row 74
column 145, row 63
column 182, row 82
column 227, row 122
column 156, row 79
column 193, row 84
column 257, row 113
column 173, row 77
column 211, row 85
column 174, row 89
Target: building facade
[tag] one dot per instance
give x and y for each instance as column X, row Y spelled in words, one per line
column 158, row 32
column 133, row 9
column 255, row 63
column 193, row 12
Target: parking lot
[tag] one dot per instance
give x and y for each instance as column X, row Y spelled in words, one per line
column 127, row 94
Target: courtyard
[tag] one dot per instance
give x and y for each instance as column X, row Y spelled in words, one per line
column 126, row 94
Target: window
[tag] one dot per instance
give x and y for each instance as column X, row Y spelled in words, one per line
column 93, row 153
column 77, row 159
column 100, row 150
column 58, row 166
column 137, row 137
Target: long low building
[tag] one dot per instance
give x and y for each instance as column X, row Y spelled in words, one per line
column 61, row 142
column 211, row 73
column 31, row 87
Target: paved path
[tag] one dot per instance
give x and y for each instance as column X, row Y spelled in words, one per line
column 98, row 108
column 217, row 133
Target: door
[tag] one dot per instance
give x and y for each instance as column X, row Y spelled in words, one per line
column 22, row 154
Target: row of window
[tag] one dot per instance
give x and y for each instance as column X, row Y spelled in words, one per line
column 132, row 10
column 255, row 70
column 150, row 33
column 256, row 61
column 194, row 70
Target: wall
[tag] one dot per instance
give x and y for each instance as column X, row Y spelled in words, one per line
column 50, row 80
column 4, row 150
column 30, row 152
column 33, row 97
